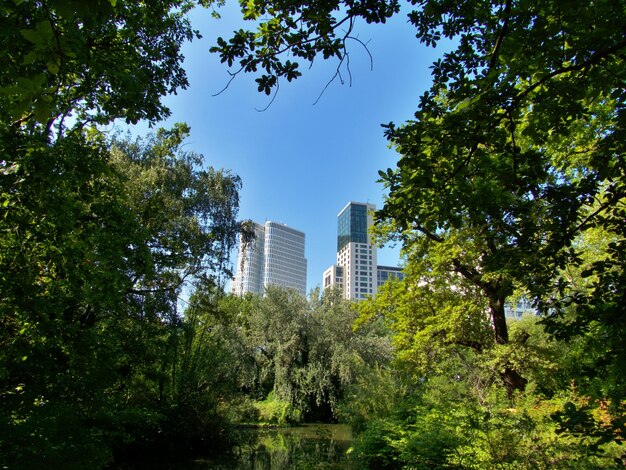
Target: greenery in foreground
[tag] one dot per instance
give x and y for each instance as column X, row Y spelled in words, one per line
column 510, row 181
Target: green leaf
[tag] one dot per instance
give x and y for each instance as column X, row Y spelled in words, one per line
column 31, row 35
column 42, row 111
column 53, row 67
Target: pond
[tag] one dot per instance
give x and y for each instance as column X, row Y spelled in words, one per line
column 312, row 446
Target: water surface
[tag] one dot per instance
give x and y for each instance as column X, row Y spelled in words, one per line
column 312, row 446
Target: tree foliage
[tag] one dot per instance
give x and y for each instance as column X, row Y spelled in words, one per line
column 188, row 213
column 91, row 276
column 93, row 61
column 290, row 32
column 301, row 353
column 98, row 235
column 515, row 152
column 457, row 413
column 515, row 156
column 520, row 134
column 513, row 163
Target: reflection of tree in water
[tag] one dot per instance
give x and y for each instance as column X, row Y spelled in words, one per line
column 309, row 447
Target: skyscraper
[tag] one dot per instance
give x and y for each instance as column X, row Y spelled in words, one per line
column 250, row 264
column 274, row 257
column 357, row 273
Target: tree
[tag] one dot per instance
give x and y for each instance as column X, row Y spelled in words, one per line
column 521, row 131
column 514, row 153
column 450, row 408
column 69, row 243
column 91, row 273
column 512, row 147
column 189, row 214
column 70, row 62
column 98, row 236
column 301, row 354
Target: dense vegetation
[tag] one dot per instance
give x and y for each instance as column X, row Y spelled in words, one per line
column 510, row 181
column 99, row 236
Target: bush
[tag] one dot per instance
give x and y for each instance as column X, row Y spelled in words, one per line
column 272, row 410
column 375, row 446
column 240, row 410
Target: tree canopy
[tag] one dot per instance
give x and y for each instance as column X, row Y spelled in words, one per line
column 73, row 62
column 513, row 163
column 99, row 233
column 517, row 147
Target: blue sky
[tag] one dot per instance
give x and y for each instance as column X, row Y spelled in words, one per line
column 301, row 162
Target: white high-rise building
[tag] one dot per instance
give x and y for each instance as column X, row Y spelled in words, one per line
column 274, row 257
column 250, row 264
column 357, row 273
column 355, row 250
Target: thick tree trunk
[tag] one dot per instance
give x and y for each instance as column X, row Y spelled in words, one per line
column 510, row 377
column 500, row 330
column 497, row 293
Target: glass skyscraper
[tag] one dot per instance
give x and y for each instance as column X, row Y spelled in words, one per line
column 274, row 257
column 352, row 224
column 357, row 273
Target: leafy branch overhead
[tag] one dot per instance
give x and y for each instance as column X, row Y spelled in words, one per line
column 299, row 30
column 94, row 60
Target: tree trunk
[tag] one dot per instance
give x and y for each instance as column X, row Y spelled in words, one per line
column 512, row 381
column 510, row 377
column 500, row 330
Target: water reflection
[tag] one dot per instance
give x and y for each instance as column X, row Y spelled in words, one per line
column 315, row 446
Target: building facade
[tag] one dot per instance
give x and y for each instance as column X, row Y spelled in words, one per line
column 356, row 253
column 333, row 277
column 357, row 273
column 523, row 306
column 385, row 273
column 250, row 264
column 274, row 257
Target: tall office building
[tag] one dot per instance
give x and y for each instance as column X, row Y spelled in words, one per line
column 250, row 264
column 274, row 257
column 357, row 273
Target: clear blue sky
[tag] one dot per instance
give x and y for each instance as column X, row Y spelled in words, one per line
column 300, row 163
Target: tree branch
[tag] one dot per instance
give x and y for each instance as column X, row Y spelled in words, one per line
column 501, row 35
column 595, row 59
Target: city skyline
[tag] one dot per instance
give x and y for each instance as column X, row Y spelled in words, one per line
column 301, row 162
column 276, row 255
